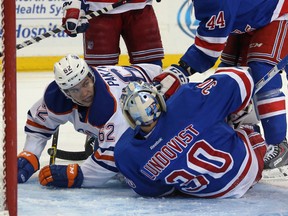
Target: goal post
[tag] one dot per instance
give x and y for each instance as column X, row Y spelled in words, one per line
column 8, row 161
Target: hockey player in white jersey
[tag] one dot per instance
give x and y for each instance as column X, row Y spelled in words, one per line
column 88, row 98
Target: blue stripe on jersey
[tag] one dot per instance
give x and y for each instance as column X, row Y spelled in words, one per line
column 26, row 129
column 103, row 105
column 56, row 101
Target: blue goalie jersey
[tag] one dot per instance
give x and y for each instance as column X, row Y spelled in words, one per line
column 192, row 148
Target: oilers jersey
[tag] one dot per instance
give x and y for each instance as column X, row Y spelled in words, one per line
column 220, row 18
column 192, row 149
column 103, row 119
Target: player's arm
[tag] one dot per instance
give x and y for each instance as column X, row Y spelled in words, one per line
column 137, row 181
column 216, row 22
column 149, row 189
column 169, row 81
column 73, row 17
column 228, row 90
column 41, row 124
column 89, row 174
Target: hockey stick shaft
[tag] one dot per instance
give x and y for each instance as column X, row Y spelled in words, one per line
column 54, row 147
column 275, row 70
column 62, row 28
column 69, row 155
column 73, row 155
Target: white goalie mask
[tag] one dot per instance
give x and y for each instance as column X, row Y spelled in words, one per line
column 70, row 71
column 141, row 104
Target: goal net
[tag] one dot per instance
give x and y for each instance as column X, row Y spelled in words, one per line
column 8, row 127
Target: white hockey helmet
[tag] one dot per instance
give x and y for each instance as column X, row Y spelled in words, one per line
column 141, row 103
column 70, row 71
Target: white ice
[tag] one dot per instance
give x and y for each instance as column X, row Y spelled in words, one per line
column 115, row 199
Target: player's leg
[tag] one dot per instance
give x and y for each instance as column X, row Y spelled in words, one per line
column 235, row 51
column 266, row 47
column 101, row 40
column 259, row 147
column 142, row 36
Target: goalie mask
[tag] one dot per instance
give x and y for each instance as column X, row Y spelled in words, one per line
column 141, row 104
column 70, row 71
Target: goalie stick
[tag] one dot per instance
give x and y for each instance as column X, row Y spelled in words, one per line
column 62, row 28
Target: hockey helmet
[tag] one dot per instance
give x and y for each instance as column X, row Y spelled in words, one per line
column 141, row 103
column 70, row 71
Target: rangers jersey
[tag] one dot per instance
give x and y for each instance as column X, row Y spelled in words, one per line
column 103, row 119
column 192, row 148
column 220, row 18
column 95, row 5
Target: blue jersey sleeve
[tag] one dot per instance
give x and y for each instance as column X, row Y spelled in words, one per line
column 216, row 22
column 228, row 90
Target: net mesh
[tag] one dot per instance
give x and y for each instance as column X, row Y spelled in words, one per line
column 8, row 169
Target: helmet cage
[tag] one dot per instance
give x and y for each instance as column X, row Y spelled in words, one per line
column 141, row 104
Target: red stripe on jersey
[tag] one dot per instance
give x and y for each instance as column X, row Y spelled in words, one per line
column 34, row 124
column 247, row 83
column 244, row 172
column 103, row 157
column 114, row 1
column 284, row 9
column 210, row 46
column 270, row 107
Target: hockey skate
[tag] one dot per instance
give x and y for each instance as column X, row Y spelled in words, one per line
column 276, row 156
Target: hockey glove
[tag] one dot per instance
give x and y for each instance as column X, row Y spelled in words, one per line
column 63, row 176
column 186, row 68
column 170, row 80
column 27, row 164
column 246, row 115
column 73, row 17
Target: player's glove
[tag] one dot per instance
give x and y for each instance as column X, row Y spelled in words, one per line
column 73, row 17
column 235, row 120
column 27, row 164
column 186, row 68
column 64, row 176
column 170, row 80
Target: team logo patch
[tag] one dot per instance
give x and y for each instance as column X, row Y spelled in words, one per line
column 186, row 19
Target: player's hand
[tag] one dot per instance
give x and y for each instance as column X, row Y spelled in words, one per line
column 185, row 68
column 235, row 120
column 27, row 164
column 64, row 176
column 73, row 17
column 170, row 80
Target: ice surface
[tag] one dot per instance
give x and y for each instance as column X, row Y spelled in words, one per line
column 115, row 199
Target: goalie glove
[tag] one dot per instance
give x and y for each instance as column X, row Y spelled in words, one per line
column 73, row 17
column 170, row 80
column 235, row 120
column 64, row 176
column 27, row 164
